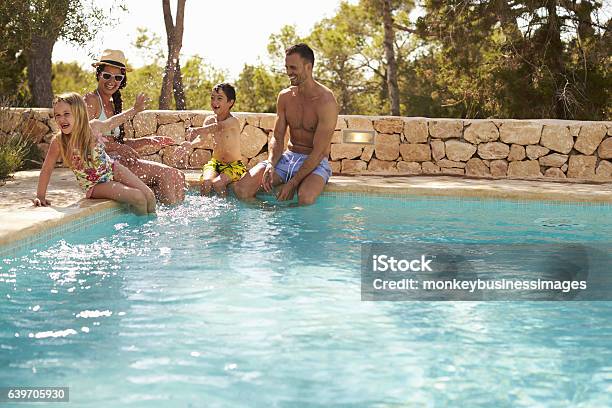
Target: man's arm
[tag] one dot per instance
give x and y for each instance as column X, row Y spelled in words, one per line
column 328, row 116
column 277, row 141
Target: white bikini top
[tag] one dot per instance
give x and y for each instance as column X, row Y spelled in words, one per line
column 114, row 132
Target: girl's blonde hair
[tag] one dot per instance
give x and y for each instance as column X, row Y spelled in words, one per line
column 79, row 142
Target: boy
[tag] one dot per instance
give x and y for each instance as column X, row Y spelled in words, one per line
column 226, row 164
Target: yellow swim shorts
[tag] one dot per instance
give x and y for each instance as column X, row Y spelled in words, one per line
column 235, row 170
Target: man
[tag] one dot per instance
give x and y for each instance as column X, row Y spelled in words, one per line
column 310, row 110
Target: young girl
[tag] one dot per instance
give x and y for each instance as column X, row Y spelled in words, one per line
column 80, row 145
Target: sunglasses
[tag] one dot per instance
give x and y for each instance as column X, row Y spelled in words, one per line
column 107, row 75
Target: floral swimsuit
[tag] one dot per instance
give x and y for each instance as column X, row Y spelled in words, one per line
column 100, row 172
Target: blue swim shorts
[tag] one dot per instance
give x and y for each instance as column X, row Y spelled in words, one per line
column 291, row 162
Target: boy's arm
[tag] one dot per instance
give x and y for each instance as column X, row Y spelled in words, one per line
column 207, row 129
column 210, row 126
column 45, row 174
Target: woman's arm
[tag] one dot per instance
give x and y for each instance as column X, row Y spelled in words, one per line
column 45, row 174
column 109, row 124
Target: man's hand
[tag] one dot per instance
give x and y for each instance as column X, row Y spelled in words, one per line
column 41, row 202
column 286, row 192
column 268, row 178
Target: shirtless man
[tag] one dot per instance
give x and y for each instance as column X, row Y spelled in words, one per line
column 310, row 110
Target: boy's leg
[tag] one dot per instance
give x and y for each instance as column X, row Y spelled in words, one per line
column 124, row 194
column 207, row 181
column 123, row 175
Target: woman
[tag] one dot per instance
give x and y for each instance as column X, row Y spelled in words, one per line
column 167, row 182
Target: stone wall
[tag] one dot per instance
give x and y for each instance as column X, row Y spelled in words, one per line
column 496, row 148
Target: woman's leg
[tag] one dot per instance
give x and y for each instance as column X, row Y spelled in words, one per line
column 206, row 184
column 124, row 194
column 168, row 182
column 125, row 176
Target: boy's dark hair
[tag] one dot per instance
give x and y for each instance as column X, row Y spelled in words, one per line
column 227, row 89
column 303, row 50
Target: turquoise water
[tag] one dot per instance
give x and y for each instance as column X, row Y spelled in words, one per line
column 217, row 303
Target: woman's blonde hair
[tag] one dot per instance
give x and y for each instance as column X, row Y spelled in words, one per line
column 80, row 140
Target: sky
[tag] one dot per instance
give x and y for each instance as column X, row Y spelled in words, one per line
column 227, row 34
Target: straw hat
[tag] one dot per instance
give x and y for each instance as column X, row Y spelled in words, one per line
column 116, row 58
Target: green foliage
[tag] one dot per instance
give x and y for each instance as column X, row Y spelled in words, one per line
column 13, row 152
column 30, row 27
column 471, row 59
column 150, row 45
column 145, row 79
column 533, row 59
column 198, row 79
column 257, row 89
column 70, row 77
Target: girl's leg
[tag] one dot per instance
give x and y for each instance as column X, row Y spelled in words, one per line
column 124, row 176
column 124, row 194
column 207, row 182
column 220, row 183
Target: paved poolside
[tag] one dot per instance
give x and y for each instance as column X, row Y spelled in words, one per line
column 19, row 219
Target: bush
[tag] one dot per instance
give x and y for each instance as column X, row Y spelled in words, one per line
column 17, row 151
column 13, row 152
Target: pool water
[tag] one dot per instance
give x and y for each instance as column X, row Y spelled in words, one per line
column 217, row 303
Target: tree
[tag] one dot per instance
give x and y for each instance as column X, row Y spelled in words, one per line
column 70, row 77
column 390, row 57
column 257, row 88
column 172, row 74
column 35, row 26
column 532, row 58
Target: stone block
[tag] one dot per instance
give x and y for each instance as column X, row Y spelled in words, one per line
column 459, row 151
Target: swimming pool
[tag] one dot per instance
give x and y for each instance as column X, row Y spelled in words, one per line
column 220, row 303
